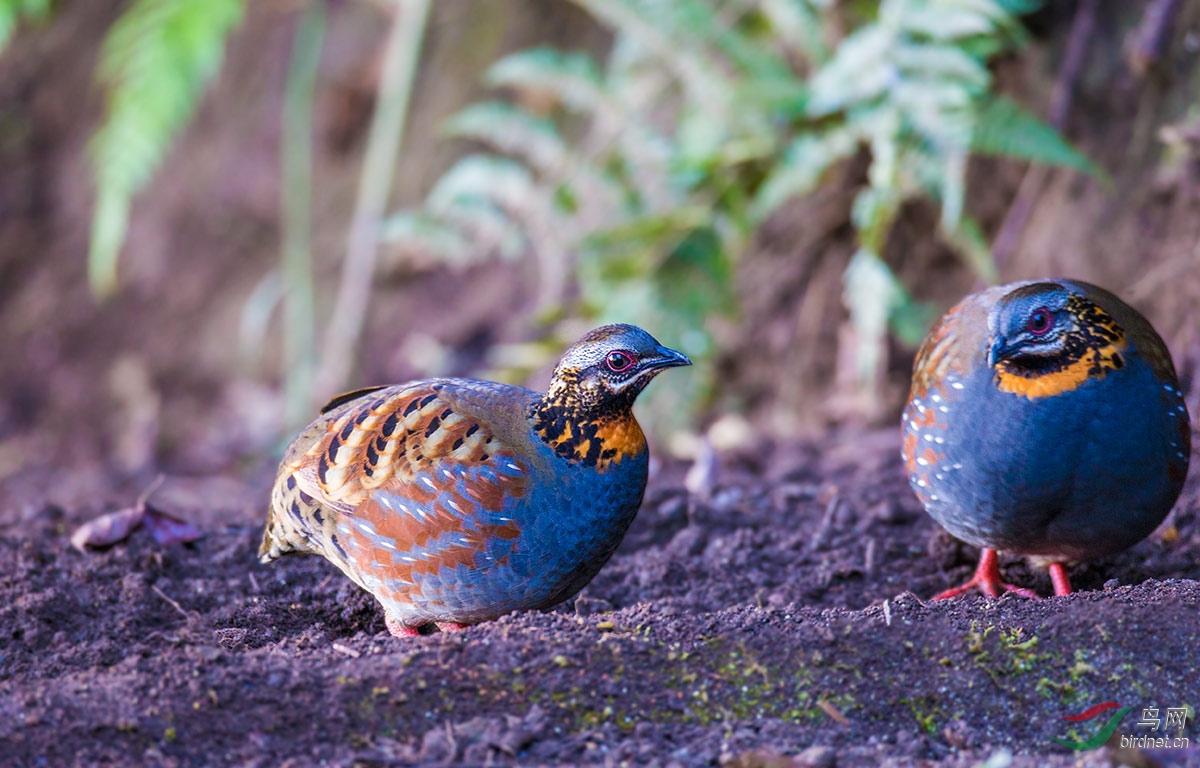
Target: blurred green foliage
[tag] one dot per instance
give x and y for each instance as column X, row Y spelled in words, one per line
column 155, row 61
column 635, row 181
column 638, row 181
column 12, row 12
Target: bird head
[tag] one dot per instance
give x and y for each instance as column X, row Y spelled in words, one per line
column 610, row 366
column 1032, row 322
column 1051, row 332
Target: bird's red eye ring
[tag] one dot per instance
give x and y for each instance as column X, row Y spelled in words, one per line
column 619, row 361
column 1041, row 321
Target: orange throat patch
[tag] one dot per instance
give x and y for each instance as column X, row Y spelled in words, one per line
column 1094, row 364
column 622, row 436
column 599, row 443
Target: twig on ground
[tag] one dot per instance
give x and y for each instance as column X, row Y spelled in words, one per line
column 450, row 736
column 829, row 709
column 818, row 539
column 155, row 484
column 174, row 604
column 346, row 650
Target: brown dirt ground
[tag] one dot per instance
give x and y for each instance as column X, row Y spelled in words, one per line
column 778, row 612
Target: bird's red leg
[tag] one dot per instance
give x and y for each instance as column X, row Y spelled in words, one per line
column 1058, row 577
column 399, row 630
column 450, row 626
column 987, row 578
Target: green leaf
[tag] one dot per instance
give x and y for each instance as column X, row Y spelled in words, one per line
column 573, row 78
column 642, row 29
column 698, row 138
column 787, row 98
column 1019, row 7
column 941, row 63
column 154, row 63
column 953, row 186
column 419, row 231
column 800, row 168
column 702, row 122
column 697, row 277
column 656, row 232
column 698, row 22
column 797, row 23
column 874, row 211
column 565, row 199
column 948, row 23
column 13, row 11
column 513, row 131
column 1004, row 11
column 857, row 72
column 872, row 293
column 910, row 320
column 488, row 228
column 1007, row 129
column 109, row 222
column 940, row 110
column 505, row 182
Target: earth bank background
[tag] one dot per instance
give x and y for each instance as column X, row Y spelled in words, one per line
column 767, row 606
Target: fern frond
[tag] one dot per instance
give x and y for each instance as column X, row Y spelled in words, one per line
column 506, row 183
column 573, row 78
column 490, row 230
column 701, row 124
column 420, row 232
column 1019, row 7
column 697, row 278
column 1008, row 129
column 947, row 23
column 857, row 72
column 647, row 232
column 637, row 23
column 693, row 21
column 941, row 63
column 154, row 63
column 513, row 131
column 466, row 232
column 798, row 24
column 800, row 168
column 872, row 294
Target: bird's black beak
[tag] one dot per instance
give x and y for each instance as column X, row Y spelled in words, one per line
column 665, row 357
column 1000, row 350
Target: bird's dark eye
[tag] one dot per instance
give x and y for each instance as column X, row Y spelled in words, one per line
column 619, row 361
column 1040, row 322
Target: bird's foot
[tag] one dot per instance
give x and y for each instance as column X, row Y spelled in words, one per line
column 987, row 579
column 399, row 630
column 1058, row 577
